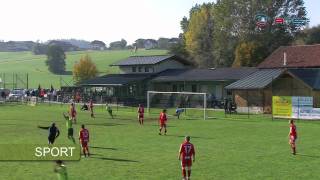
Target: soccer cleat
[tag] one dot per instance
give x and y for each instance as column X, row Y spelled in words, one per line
column 160, row 134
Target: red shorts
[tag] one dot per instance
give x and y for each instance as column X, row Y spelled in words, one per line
column 73, row 114
column 84, row 144
column 141, row 115
column 186, row 163
column 163, row 124
column 292, row 139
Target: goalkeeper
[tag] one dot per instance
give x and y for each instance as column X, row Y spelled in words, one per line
column 178, row 112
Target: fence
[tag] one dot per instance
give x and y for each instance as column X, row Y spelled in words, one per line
column 14, row 80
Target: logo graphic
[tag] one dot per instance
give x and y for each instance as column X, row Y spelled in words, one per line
column 299, row 21
column 39, row 152
column 279, row 20
column 261, row 20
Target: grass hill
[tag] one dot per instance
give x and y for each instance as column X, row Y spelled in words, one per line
column 34, row 65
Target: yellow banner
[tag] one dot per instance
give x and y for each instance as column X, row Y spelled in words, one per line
column 282, row 106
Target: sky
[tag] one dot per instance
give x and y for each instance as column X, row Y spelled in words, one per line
column 106, row 20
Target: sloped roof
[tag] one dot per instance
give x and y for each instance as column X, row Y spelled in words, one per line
column 302, row 56
column 310, row 76
column 257, row 80
column 219, row 74
column 149, row 60
column 115, row 79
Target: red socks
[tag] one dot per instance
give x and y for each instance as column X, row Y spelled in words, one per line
column 184, row 174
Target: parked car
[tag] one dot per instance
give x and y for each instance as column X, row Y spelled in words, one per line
column 16, row 94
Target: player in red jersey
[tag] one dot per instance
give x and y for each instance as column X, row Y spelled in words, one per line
column 84, row 140
column 91, row 108
column 163, row 122
column 140, row 114
column 187, row 155
column 293, row 136
column 73, row 113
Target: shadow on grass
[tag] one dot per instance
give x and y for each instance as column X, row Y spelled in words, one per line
column 310, row 156
column 115, row 159
column 97, row 147
column 192, row 137
column 44, row 127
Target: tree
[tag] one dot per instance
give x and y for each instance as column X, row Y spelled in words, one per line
column 85, row 69
column 139, row 43
column 199, row 36
column 118, row 44
column 163, row 43
column 123, row 43
column 246, row 54
column 56, row 59
column 312, row 35
column 184, row 23
column 212, row 32
column 39, row 49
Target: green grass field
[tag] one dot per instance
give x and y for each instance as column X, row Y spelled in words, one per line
column 34, row 65
column 232, row 147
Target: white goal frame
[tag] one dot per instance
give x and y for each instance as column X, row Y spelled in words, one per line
column 188, row 93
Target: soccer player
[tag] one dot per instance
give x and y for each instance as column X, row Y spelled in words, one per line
column 73, row 113
column 178, row 112
column 293, row 136
column 91, row 108
column 163, row 122
column 140, row 114
column 53, row 133
column 61, row 170
column 84, row 107
column 84, row 140
column 109, row 109
column 186, row 155
column 69, row 127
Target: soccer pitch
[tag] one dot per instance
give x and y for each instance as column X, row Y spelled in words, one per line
column 235, row 147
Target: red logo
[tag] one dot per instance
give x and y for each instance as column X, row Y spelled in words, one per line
column 279, row 20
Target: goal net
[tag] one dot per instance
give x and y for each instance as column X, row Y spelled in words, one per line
column 188, row 105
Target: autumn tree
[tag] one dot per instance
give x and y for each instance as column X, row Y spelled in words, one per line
column 247, row 53
column 213, row 32
column 85, row 69
column 199, row 36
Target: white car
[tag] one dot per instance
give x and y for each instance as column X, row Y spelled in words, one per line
column 16, row 94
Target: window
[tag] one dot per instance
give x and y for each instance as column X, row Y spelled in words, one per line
column 194, row 88
column 140, row 69
column 134, row 69
column 146, row 69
